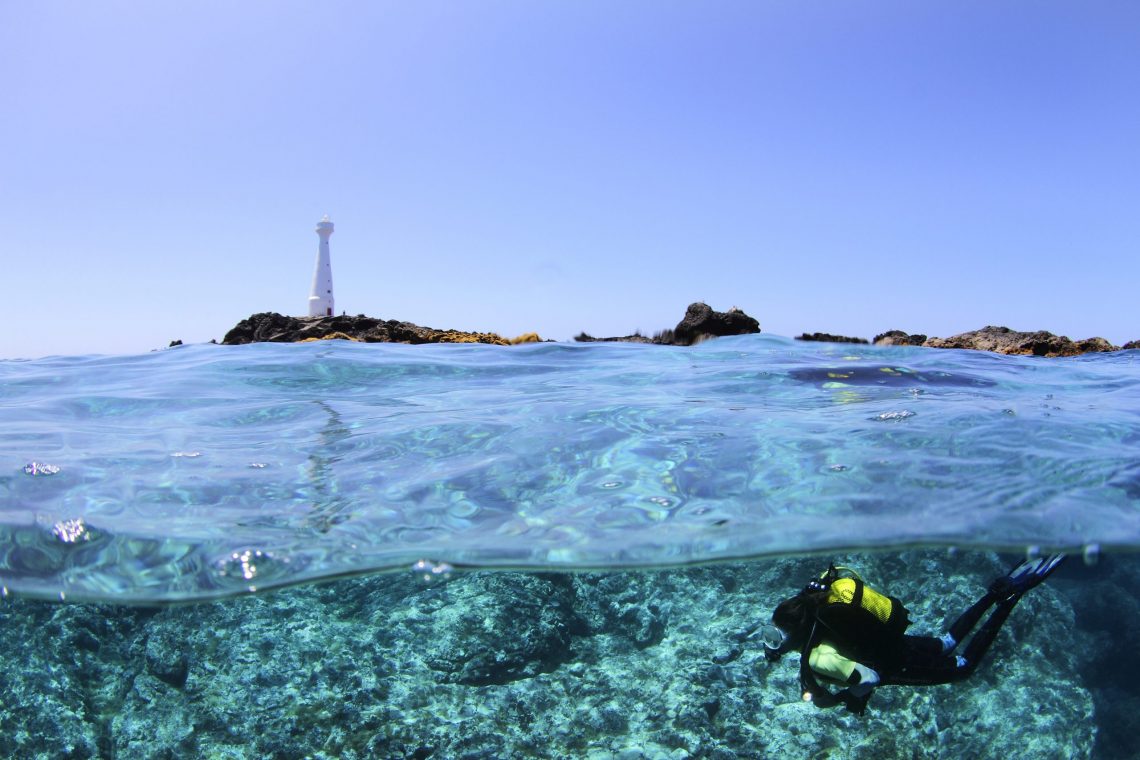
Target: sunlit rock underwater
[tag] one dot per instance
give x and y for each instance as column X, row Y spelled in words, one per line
column 550, row 550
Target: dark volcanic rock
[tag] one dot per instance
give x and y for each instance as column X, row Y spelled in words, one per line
column 699, row 322
column 898, row 338
column 829, row 338
column 635, row 338
column 277, row 328
column 1130, row 345
column 1003, row 340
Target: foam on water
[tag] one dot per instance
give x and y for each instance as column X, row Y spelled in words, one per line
column 211, row 470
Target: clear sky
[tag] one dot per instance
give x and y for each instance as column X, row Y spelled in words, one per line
column 847, row 167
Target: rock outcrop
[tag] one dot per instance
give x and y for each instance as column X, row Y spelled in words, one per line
column 1003, row 340
column 277, row 328
column 829, row 338
column 898, row 338
column 700, row 322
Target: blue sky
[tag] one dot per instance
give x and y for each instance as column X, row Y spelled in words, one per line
column 515, row 166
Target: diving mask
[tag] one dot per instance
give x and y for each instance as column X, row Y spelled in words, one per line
column 772, row 636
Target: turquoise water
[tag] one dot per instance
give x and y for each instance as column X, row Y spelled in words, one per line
column 210, row 471
column 206, row 471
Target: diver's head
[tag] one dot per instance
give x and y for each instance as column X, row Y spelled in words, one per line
column 794, row 617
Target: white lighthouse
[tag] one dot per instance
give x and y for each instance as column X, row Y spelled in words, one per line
column 321, row 298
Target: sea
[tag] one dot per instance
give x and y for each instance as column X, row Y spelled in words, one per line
column 338, row 549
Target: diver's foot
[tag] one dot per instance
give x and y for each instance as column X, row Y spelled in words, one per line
column 1026, row 575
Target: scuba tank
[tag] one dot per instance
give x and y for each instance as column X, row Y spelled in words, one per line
column 850, row 589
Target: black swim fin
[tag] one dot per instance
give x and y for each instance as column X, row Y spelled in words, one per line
column 1026, row 575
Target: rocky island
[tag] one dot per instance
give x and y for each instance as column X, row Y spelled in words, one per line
column 270, row 327
column 700, row 322
column 1000, row 340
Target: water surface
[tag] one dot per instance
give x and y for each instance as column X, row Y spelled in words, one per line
column 205, row 471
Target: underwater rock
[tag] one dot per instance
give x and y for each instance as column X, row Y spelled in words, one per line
column 602, row 665
column 165, row 658
column 898, row 338
column 630, row 606
column 497, row 628
column 700, row 322
column 829, row 338
column 1003, row 340
column 277, row 328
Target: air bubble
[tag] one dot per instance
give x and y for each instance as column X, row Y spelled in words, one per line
column 247, row 564
column 1091, row 554
column 186, row 454
column 430, row 572
column 71, row 531
column 893, row 416
column 839, row 468
column 39, row 469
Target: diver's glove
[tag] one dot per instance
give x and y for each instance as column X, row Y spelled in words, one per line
column 854, row 698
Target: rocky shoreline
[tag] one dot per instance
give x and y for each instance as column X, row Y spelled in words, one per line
column 699, row 323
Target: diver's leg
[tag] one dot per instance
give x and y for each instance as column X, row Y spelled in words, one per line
column 943, row 670
column 1017, row 581
column 925, row 663
column 965, row 623
column 981, row 641
column 924, row 670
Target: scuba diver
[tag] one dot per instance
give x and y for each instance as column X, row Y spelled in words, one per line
column 852, row 636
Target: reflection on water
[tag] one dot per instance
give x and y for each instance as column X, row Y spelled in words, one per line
column 329, row 507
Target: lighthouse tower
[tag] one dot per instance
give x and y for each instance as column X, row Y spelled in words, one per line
column 321, row 298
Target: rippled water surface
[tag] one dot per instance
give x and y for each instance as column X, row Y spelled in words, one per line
column 209, row 470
